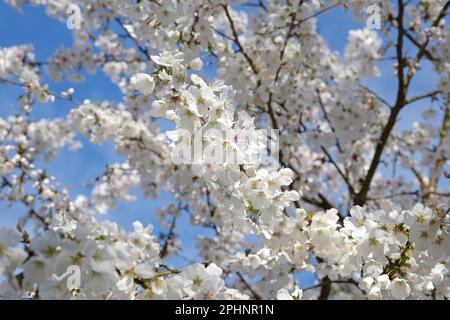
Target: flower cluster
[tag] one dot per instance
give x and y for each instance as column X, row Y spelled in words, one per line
column 348, row 195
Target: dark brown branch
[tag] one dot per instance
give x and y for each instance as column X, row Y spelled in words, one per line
column 255, row 294
column 143, row 50
column 165, row 248
column 237, row 42
column 376, row 96
column 349, row 281
column 418, row 45
column 431, row 95
column 403, row 84
column 321, row 11
column 423, row 47
column 341, row 173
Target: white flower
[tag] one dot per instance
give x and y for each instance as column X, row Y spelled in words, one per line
column 399, row 288
column 36, row 270
column 438, row 273
column 327, row 129
column 205, row 282
column 374, row 293
column 143, row 83
column 168, row 59
column 10, row 254
column 366, row 283
column 196, row 64
column 283, row 294
column 255, row 260
column 383, row 282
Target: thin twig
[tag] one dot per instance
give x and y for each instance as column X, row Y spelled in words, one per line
column 255, row 294
column 237, row 41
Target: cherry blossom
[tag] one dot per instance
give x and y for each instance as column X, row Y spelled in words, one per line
column 346, row 193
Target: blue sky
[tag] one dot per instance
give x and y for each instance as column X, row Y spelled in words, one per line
column 73, row 169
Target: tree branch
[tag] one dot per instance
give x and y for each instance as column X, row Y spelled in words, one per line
column 403, row 84
column 431, row 95
column 237, row 41
column 255, row 294
column 342, row 174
